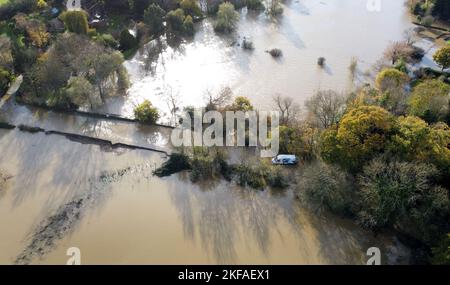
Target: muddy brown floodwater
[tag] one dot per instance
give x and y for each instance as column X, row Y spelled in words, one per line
column 62, row 193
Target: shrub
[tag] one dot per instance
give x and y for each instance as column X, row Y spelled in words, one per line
column 321, row 61
column 442, row 57
column 259, row 176
column 250, row 176
column 391, row 79
column 326, row 187
column 145, row 112
column 247, row 44
column 430, row 100
column 191, row 7
column 75, row 21
column 5, row 78
column 41, row 4
column 276, row 52
column 154, row 17
column 400, row 65
column 79, row 90
column 127, row 40
column 177, row 162
column 255, row 4
column 363, row 133
column 203, row 163
column 276, row 179
column 274, row 8
column 107, row 40
column 123, row 80
column 241, row 104
column 203, row 167
column 427, row 20
column 175, row 20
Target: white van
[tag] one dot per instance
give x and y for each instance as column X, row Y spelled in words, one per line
column 285, row 159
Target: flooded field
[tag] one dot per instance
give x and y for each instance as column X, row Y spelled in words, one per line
column 62, row 193
column 338, row 30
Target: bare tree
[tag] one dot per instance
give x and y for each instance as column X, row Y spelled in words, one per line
column 173, row 102
column 410, row 36
column 288, row 109
column 219, row 100
column 326, row 107
column 398, row 50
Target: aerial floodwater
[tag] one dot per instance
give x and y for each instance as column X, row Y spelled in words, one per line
column 338, row 30
column 64, row 193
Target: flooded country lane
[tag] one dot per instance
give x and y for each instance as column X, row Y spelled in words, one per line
column 64, row 194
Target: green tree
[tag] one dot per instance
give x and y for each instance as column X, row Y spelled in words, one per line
column 123, row 79
column 138, row 6
column 241, row 104
column 274, row 8
column 430, row 101
column 415, row 140
column 298, row 140
column 255, row 4
column 188, row 25
column 154, row 17
column 145, row 112
column 104, row 66
column 227, row 18
column 403, row 194
column 362, row 134
column 175, row 20
column 70, row 56
column 442, row 57
column 326, row 187
column 76, row 21
column 391, row 84
column 5, row 79
column 191, row 7
column 442, row 9
column 6, row 56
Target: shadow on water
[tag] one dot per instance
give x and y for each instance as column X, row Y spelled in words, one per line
column 88, row 182
column 225, row 218
column 291, row 33
column 222, row 217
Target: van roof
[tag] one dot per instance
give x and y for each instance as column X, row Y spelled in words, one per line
column 286, row 156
